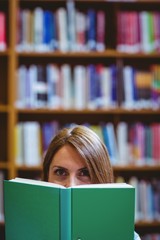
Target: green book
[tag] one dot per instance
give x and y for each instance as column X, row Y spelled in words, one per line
column 37, row 210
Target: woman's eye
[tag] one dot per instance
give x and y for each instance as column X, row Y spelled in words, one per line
column 84, row 172
column 60, row 172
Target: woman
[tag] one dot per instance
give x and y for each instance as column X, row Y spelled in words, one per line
column 77, row 156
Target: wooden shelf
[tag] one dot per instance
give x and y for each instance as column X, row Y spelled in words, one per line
column 4, row 108
column 28, row 168
column 4, row 165
column 87, row 111
column 148, row 224
column 105, row 54
column 5, row 53
column 134, row 168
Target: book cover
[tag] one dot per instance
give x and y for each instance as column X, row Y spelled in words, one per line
column 1, row 197
column 38, row 210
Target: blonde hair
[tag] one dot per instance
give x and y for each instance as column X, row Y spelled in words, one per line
column 89, row 146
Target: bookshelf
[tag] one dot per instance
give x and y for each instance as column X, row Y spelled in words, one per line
column 11, row 60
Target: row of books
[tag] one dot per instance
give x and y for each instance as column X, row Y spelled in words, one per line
column 69, row 29
column 151, row 236
column 133, row 144
column 87, row 87
column 147, row 198
column 3, row 42
column 64, row 29
column 138, row 31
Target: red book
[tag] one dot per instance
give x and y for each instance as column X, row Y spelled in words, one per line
column 2, row 31
column 100, row 31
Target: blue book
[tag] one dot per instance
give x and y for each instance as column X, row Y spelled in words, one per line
column 47, row 30
column 91, row 29
column 49, row 130
column 92, row 86
column 114, row 85
column 106, row 139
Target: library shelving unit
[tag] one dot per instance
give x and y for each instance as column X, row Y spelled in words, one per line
column 11, row 59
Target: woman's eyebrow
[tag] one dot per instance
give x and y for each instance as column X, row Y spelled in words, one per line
column 84, row 168
column 56, row 166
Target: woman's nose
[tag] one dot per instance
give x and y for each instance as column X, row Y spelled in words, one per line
column 71, row 181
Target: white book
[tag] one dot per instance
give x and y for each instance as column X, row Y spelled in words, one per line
column 53, row 78
column 61, row 17
column 134, row 182
column 128, row 78
column 67, row 86
column 1, row 197
column 122, row 143
column 32, row 78
column 106, row 87
column 19, row 151
column 21, row 86
column 143, row 197
column 32, row 144
column 71, row 17
column 79, row 87
column 38, row 29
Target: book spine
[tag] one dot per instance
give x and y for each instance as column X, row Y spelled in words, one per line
column 91, row 29
column 79, row 87
column 2, row 31
column 66, row 86
column 81, row 25
column 100, row 31
column 61, row 19
column 71, row 17
column 38, row 29
column 65, row 214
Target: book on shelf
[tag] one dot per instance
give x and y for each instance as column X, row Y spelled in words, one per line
column 49, row 130
column 62, row 35
column 79, row 87
column 100, row 31
column 71, row 17
column 3, row 44
column 54, row 86
column 41, row 210
column 81, row 26
column 91, row 29
column 28, row 149
column 67, row 86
